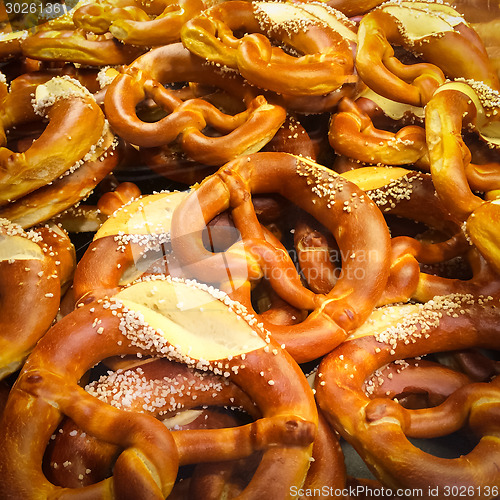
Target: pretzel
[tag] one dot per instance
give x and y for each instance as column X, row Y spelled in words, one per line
column 352, row 133
column 316, row 190
column 66, row 191
column 436, row 31
column 77, row 459
column 322, row 34
column 35, row 265
column 133, row 26
column 135, row 240
column 171, row 161
column 173, row 393
column 484, row 279
column 63, row 145
column 378, row 428
column 16, row 102
column 78, row 182
column 415, row 383
column 289, row 420
column 244, row 132
column 131, row 242
column 410, row 194
column 464, row 103
column 77, row 46
column 327, row 472
column 16, row 98
column 144, row 389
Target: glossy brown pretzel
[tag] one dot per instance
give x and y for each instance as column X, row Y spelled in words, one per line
column 132, row 24
column 35, row 266
column 322, row 34
column 64, row 145
column 185, row 122
column 379, row 428
column 47, row 389
column 447, row 44
column 455, row 106
column 339, row 205
column 78, row 46
column 352, row 133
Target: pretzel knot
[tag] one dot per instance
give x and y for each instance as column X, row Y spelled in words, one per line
column 433, row 30
column 155, row 317
column 185, row 122
column 30, row 280
column 352, row 133
column 379, row 428
column 338, row 204
column 132, row 25
column 321, row 37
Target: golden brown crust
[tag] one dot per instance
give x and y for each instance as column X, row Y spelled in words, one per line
column 334, row 202
column 282, row 395
column 448, row 322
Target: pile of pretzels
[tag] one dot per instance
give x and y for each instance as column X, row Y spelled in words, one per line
column 241, row 241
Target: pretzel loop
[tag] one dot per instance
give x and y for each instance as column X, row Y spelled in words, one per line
column 455, row 106
column 97, row 18
column 353, row 134
column 78, row 46
column 149, row 462
column 28, row 279
column 64, row 142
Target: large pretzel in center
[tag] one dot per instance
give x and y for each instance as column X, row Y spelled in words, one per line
column 344, row 209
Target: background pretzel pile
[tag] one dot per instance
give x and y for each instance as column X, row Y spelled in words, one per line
column 246, row 246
